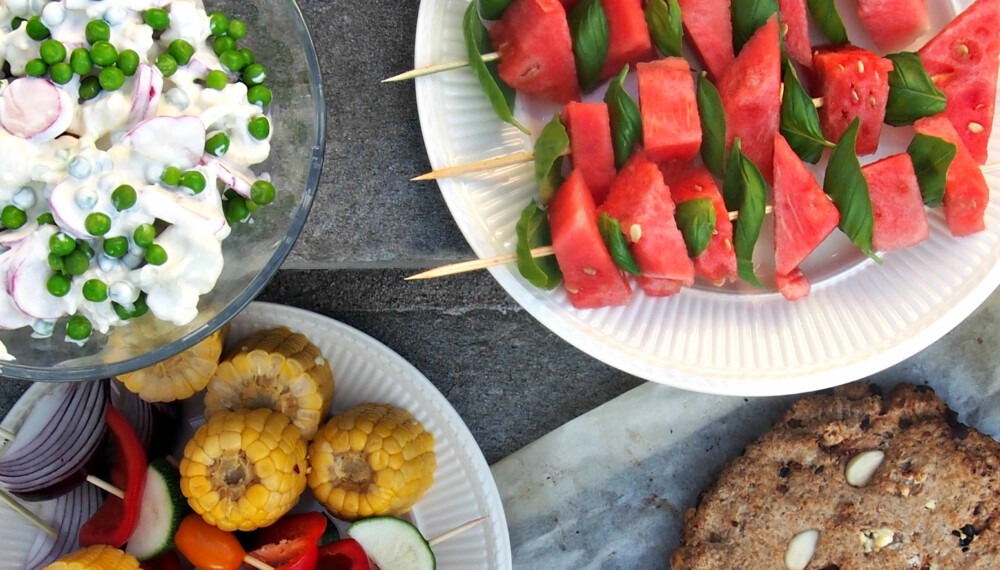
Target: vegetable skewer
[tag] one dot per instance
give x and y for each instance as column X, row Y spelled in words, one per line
column 439, row 67
column 20, row 509
column 448, row 535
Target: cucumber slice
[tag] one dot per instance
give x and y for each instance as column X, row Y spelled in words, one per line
column 163, row 507
column 393, row 544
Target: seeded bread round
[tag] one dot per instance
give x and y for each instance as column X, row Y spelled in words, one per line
column 932, row 502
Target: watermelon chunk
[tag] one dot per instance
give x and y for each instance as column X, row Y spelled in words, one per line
column 589, row 130
column 795, row 31
column 803, row 216
column 963, row 62
column 894, row 24
column 641, row 203
column 718, row 262
column 536, row 52
column 591, row 276
column 628, row 36
column 900, row 218
column 671, row 129
column 793, row 286
column 853, row 82
column 749, row 89
column 659, row 287
column 710, row 31
column 966, row 194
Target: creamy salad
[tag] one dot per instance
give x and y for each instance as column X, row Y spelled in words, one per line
column 127, row 129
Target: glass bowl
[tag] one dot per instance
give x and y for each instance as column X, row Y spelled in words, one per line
column 253, row 252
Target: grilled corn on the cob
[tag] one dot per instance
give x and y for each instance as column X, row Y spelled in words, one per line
column 243, row 470
column 275, row 369
column 100, row 557
column 180, row 377
column 372, row 460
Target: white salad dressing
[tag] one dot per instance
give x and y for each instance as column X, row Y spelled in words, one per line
column 65, row 156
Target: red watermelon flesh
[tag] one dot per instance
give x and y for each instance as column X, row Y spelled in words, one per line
column 641, row 203
column 894, row 24
column 900, row 218
column 591, row 276
column 628, row 36
column 659, row 287
column 718, row 262
column 536, row 52
column 710, row 31
column 853, row 82
column 590, row 144
column 966, row 194
column 749, row 89
column 795, row 28
column 963, row 61
column 671, row 129
column 793, row 286
column 803, row 214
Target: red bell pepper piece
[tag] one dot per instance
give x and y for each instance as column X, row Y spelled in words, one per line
column 306, row 525
column 344, row 554
column 115, row 521
column 291, row 543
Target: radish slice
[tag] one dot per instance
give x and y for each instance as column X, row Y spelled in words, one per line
column 72, row 511
column 234, row 176
column 146, row 97
column 177, row 141
column 184, row 212
column 35, row 109
column 27, row 275
column 70, row 217
column 11, row 238
column 10, row 316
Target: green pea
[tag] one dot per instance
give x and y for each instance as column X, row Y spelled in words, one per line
column 259, row 95
column 95, row 290
column 128, row 62
column 61, row 244
column 37, row 30
column 90, row 87
column 217, row 144
column 58, row 285
column 56, row 263
column 82, row 245
column 78, row 328
column 13, row 217
column 97, row 224
column 223, row 44
column 181, row 50
column 236, row 29
column 35, row 68
column 103, row 53
column 218, row 22
column 232, row 60
column 216, row 79
column 251, row 205
column 140, row 307
column 52, row 51
column 121, row 311
column 16, row 22
column 194, row 180
column 112, row 78
column 262, row 192
column 156, row 255
column 116, row 247
column 61, row 73
column 157, row 18
column 236, row 210
column 80, row 61
column 254, row 74
column 46, row 218
column 248, row 56
column 76, row 262
column 259, row 128
column 123, row 197
column 97, row 31
column 171, row 176
column 144, row 235
column 166, row 64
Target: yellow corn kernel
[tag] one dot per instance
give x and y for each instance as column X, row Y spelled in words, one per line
column 100, row 557
column 180, row 377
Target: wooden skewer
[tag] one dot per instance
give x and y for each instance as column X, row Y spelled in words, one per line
column 437, row 68
column 477, row 264
column 20, row 509
column 251, row 561
column 488, row 164
column 455, row 531
column 102, row 484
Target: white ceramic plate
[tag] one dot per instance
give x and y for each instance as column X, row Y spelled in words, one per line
column 366, row 371
column 860, row 318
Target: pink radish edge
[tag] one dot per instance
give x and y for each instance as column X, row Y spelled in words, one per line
column 35, row 109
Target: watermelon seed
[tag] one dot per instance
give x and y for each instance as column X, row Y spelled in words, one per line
column 975, row 128
column 861, row 67
column 963, row 50
column 729, row 244
column 854, row 95
column 635, row 232
column 590, row 271
column 874, row 102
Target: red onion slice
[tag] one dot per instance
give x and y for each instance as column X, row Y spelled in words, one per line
column 72, row 511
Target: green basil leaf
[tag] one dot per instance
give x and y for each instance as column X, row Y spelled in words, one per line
column 493, row 9
column 846, row 185
column 663, row 17
column 611, row 231
column 550, row 148
column 799, row 119
column 912, row 94
column 477, row 39
column 824, row 12
column 747, row 16
column 626, row 122
column 588, row 28
column 533, row 231
column 696, row 220
column 731, row 180
column 752, row 194
column 713, row 126
column 931, row 158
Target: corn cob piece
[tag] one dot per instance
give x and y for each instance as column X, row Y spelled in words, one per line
column 244, row 470
column 275, row 369
column 180, row 377
column 100, row 557
column 372, row 460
